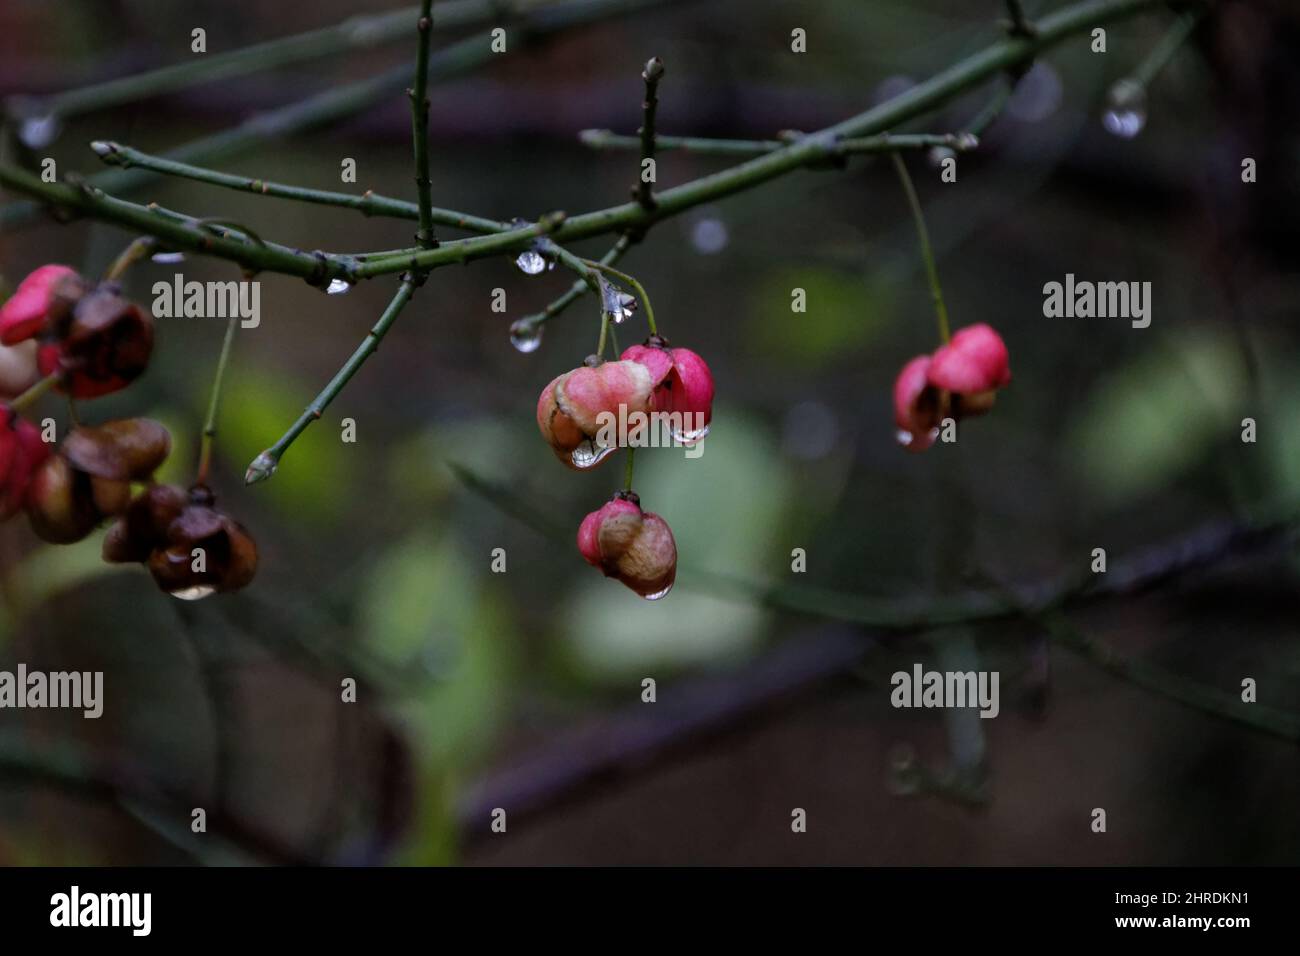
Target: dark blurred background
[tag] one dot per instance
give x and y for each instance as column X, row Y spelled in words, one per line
column 523, row 690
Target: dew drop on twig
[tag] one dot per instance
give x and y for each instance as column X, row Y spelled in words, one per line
column 338, row 287
column 168, row 258
column 1037, row 96
column 531, row 262
column 618, row 305
column 196, row 593
column 1126, row 109
column 526, row 336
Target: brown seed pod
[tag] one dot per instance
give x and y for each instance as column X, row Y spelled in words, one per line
column 61, row 502
column 143, row 525
column 206, row 551
column 104, row 346
column 129, row 449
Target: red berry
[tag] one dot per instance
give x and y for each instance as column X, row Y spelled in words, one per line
column 21, row 453
column 919, row 407
column 103, row 348
column 41, row 299
column 683, row 384
column 960, row 379
column 974, row 362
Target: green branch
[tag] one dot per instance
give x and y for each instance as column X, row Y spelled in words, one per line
column 368, row 203
column 181, row 233
column 214, row 402
column 807, row 150
column 1019, row 24
column 344, row 101
column 652, row 74
column 419, row 94
column 264, row 465
column 1163, row 52
column 705, row 146
column 526, row 327
column 359, row 32
column 1150, row 677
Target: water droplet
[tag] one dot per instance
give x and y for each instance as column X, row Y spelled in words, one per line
column 1126, row 113
column 938, row 154
column 526, row 336
column 691, row 437
column 1038, row 94
column 531, row 262
column 589, row 455
column 906, row 438
column 1126, row 109
column 658, row 594
column 196, row 593
column 37, row 132
column 618, row 304
column 338, row 287
column 168, row 258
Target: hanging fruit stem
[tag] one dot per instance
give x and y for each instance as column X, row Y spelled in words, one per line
column 604, row 332
column 139, row 249
column 629, row 468
column 36, row 391
column 210, row 424
column 927, row 253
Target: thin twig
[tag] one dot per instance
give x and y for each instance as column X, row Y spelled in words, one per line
column 644, row 191
column 122, row 784
column 139, row 249
column 1169, row 45
column 359, row 32
column 631, row 216
column 636, row 287
column 525, row 326
column 181, row 233
column 368, row 203
column 214, row 400
column 706, row 146
column 341, row 102
column 927, row 251
column 265, row 464
column 1150, row 677
column 1019, row 23
column 419, row 94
